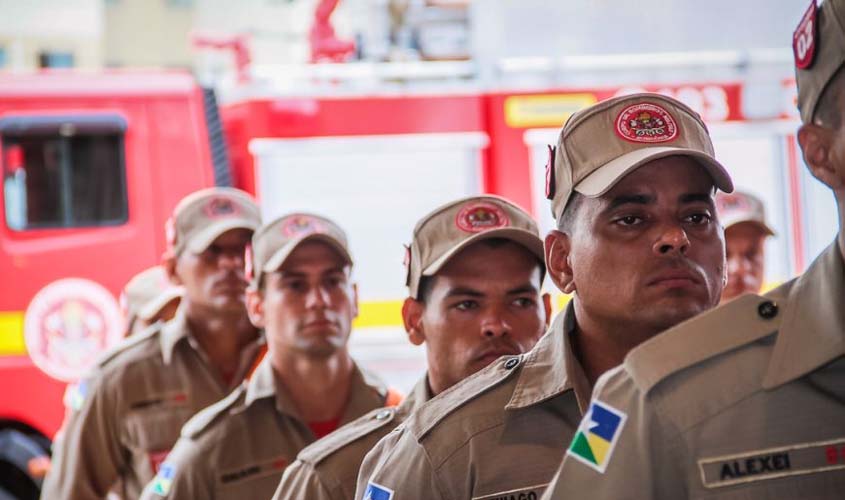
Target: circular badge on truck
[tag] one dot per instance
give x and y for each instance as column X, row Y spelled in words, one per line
column 68, row 324
column 646, row 122
column 481, row 216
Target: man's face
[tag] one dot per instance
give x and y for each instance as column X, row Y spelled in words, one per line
column 649, row 253
column 744, row 244
column 215, row 277
column 307, row 306
column 485, row 303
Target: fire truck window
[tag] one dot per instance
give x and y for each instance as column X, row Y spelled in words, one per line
column 56, row 181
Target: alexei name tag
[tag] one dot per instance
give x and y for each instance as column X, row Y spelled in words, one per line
column 773, row 463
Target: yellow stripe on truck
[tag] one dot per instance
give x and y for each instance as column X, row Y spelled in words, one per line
column 378, row 313
column 11, row 334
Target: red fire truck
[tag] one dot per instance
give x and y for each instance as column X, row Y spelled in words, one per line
column 93, row 165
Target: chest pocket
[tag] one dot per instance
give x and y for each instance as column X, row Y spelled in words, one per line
column 150, row 432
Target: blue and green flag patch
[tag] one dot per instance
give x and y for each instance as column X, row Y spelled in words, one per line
column 597, row 435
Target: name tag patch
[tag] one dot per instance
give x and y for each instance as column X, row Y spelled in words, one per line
column 377, row 492
column 275, row 466
column 527, row 493
column 773, row 463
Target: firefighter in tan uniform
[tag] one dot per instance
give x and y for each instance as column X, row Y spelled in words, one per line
column 638, row 245
column 307, row 385
column 747, row 401
column 127, row 414
column 744, row 218
column 467, row 313
column 147, row 298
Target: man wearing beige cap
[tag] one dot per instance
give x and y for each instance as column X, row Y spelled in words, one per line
column 147, row 298
column 127, row 414
column 638, row 245
column 744, row 218
column 467, row 312
column 746, row 401
column 303, row 297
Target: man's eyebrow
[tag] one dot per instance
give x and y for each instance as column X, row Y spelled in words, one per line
column 630, row 199
column 523, row 289
column 464, row 291
column 696, row 197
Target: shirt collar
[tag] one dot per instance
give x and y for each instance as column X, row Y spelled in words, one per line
column 365, row 392
column 172, row 333
column 812, row 331
column 419, row 395
column 551, row 368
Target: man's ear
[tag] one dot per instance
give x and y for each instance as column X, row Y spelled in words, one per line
column 168, row 262
column 547, row 308
column 558, row 249
column 816, row 143
column 412, row 313
column 255, row 307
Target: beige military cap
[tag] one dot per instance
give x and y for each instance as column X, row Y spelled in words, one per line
column 818, row 44
column 443, row 233
column 738, row 207
column 202, row 216
column 147, row 293
column 600, row 145
column 273, row 243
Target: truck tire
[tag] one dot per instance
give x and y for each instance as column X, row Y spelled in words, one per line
column 17, row 450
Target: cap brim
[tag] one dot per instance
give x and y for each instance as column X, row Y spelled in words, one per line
column 605, row 177
column 155, row 305
column 522, row 237
column 206, row 237
column 281, row 255
column 733, row 221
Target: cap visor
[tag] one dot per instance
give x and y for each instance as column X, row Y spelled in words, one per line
column 206, row 237
column 522, row 237
column 281, row 255
column 155, row 305
column 602, row 180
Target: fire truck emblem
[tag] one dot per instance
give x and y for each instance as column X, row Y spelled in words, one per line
column 301, row 225
column 221, row 207
column 483, row 216
column 68, row 324
column 646, row 122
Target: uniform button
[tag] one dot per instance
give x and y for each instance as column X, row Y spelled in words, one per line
column 382, row 414
column 511, row 363
column 767, row 310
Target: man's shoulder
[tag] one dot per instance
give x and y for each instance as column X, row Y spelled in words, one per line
column 352, row 440
column 483, row 393
column 137, row 349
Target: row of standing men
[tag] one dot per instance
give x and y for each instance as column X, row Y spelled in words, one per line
column 636, row 390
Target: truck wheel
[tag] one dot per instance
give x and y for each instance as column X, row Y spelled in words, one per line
column 18, row 452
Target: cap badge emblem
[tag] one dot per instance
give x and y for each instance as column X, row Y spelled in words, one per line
column 646, row 122
column 221, row 207
column 301, row 225
column 481, row 216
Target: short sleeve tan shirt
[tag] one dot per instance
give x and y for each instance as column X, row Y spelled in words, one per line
column 328, row 469
column 127, row 414
column 500, row 433
column 744, row 402
column 239, row 448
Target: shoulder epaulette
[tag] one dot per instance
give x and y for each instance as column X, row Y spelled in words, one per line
column 129, row 342
column 427, row 416
column 346, row 435
column 194, row 427
column 737, row 323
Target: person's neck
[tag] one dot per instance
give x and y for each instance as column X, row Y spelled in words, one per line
column 319, row 387
column 600, row 346
column 221, row 336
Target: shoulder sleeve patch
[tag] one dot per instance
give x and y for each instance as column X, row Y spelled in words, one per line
column 194, row 427
column 428, row 415
column 597, row 435
column 377, row 492
column 737, row 323
column 346, row 435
